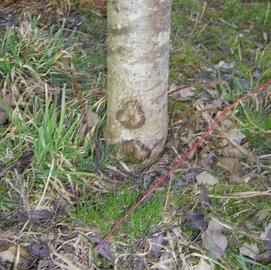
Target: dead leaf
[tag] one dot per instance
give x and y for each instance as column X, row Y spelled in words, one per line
column 226, row 124
column 139, row 264
column 213, row 239
column 249, row 250
column 186, row 92
column 165, row 262
column 181, row 93
column 101, row 4
column 233, row 166
column 104, row 249
column 21, row 164
column 3, row 117
column 204, row 197
column 92, row 119
column 266, row 236
column 264, row 256
column 9, row 252
column 156, row 246
column 211, row 105
column 37, row 216
column 225, row 66
column 232, row 151
column 196, row 220
column 38, row 250
column 236, row 135
column 236, row 179
column 229, row 164
column 207, row 159
column 214, row 225
column 205, row 178
column 203, row 265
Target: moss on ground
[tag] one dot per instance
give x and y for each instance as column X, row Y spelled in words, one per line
column 96, row 209
column 202, row 36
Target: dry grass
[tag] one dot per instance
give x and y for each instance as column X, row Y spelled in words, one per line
column 61, row 187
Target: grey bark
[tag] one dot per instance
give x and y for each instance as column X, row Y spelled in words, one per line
column 138, row 52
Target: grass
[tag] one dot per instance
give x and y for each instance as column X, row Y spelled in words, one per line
column 36, row 71
column 54, row 136
column 31, row 57
column 256, row 125
column 254, row 121
column 37, row 67
column 222, row 34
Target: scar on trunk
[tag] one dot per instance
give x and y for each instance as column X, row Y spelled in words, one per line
column 131, row 115
column 135, row 151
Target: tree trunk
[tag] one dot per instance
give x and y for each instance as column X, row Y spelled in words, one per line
column 138, row 52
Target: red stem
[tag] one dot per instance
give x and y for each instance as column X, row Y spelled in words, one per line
column 177, row 164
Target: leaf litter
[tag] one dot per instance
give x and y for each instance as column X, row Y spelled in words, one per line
column 184, row 239
column 214, row 240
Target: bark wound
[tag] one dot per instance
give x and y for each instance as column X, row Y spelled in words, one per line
column 135, row 151
column 131, row 115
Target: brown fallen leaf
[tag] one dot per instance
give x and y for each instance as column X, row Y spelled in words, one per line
column 196, row 220
column 236, row 135
column 9, row 252
column 266, row 236
column 3, row 117
column 207, row 159
column 249, row 250
column 233, row 166
column 38, row 250
column 37, row 216
column 203, row 265
column 156, row 246
column 236, row 179
column 264, row 256
column 205, row 178
column 229, row 164
column 204, row 197
column 92, row 119
column 213, row 239
column 182, row 93
column 212, row 105
column 139, row 264
column 225, row 66
column 20, row 165
column 104, row 249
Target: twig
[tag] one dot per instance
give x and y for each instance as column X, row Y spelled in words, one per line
column 164, row 177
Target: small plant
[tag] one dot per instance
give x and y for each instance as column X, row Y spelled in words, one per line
column 57, row 132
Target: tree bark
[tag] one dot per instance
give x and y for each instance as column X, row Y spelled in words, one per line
column 138, row 56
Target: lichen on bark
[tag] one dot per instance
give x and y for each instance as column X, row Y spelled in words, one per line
column 131, row 115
